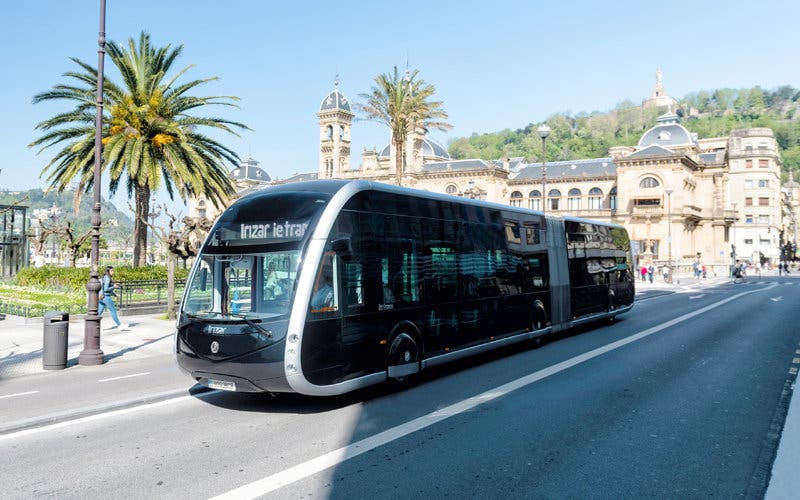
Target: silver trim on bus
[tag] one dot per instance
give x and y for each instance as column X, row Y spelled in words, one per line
column 488, row 346
column 403, row 370
column 292, row 365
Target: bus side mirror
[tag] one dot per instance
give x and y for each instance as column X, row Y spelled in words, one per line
column 203, row 278
column 341, row 245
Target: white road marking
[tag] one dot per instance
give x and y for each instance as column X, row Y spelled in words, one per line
column 335, row 457
column 101, row 416
column 776, row 299
column 18, row 394
column 697, row 296
column 124, row 376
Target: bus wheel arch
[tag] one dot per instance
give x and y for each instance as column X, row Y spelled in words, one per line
column 539, row 316
column 404, row 353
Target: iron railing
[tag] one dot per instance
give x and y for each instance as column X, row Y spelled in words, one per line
column 131, row 294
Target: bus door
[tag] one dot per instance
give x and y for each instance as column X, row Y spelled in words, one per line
column 516, row 307
column 362, row 299
column 536, row 283
column 442, row 322
column 324, row 360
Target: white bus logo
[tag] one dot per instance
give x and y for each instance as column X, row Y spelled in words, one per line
column 214, row 347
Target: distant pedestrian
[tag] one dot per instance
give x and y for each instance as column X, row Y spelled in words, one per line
column 705, row 272
column 650, row 272
column 643, row 271
column 106, row 296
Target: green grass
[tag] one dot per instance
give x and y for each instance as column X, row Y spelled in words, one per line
column 33, row 296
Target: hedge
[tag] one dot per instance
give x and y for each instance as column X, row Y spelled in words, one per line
column 74, row 278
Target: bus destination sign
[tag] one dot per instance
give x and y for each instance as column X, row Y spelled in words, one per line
column 279, row 230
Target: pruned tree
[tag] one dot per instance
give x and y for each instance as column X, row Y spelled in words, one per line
column 180, row 243
column 74, row 240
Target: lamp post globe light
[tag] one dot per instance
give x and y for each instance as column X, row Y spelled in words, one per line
column 543, row 132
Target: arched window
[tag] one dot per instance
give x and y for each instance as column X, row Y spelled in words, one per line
column 329, row 131
column 553, row 199
column 612, row 198
column 535, row 200
column 451, row 189
column 574, row 199
column 201, row 208
column 516, row 199
column 341, row 131
column 595, row 199
column 649, row 182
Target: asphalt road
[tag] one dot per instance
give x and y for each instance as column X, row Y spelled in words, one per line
column 682, row 397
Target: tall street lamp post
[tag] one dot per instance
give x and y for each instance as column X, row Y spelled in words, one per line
column 91, row 353
column 669, row 234
column 543, row 132
column 154, row 214
column 52, row 213
column 733, row 236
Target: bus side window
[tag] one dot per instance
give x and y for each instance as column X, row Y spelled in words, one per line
column 354, row 284
column 325, row 297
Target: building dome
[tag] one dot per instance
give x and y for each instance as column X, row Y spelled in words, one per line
column 430, row 148
column 668, row 132
column 335, row 100
column 249, row 170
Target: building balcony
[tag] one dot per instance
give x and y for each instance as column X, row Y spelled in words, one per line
column 690, row 212
column 730, row 216
column 590, row 213
column 647, row 211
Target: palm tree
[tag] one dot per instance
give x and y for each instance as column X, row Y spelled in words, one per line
column 402, row 104
column 150, row 139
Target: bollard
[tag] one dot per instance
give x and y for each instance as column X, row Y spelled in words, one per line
column 54, row 342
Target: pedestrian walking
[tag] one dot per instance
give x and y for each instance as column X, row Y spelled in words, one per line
column 650, row 272
column 106, row 296
column 643, row 271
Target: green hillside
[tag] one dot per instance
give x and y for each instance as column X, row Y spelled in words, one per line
column 37, row 198
column 590, row 135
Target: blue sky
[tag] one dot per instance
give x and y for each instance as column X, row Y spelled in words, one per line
column 500, row 64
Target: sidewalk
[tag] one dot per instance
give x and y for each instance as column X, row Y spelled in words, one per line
column 21, row 342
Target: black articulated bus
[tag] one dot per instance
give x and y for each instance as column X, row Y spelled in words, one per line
column 325, row 287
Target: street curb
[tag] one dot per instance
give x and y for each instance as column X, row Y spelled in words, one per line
column 64, row 416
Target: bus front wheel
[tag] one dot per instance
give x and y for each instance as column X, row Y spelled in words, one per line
column 403, row 357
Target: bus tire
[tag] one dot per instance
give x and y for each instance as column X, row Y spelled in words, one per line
column 403, row 357
column 612, row 305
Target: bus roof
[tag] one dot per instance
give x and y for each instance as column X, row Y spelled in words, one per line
column 330, row 187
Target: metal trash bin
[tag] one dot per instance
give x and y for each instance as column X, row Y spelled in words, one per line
column 54, row 343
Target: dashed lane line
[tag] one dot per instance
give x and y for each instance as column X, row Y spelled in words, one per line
column 124, row 376
column 18, row 394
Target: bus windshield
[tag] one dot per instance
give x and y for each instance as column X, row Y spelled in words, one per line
column 228, row 286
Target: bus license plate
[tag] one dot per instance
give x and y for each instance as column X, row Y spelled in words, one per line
column 221, row 384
